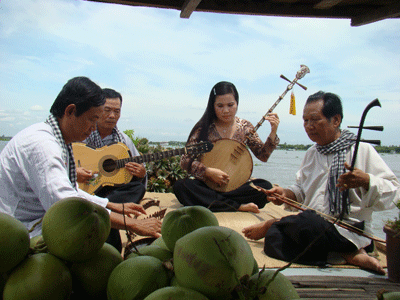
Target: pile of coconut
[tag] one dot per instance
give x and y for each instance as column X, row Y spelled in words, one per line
column 194, row 259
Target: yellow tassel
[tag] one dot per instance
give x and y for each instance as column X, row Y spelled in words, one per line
column 292, row 109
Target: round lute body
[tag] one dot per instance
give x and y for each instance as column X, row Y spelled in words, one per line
column 233, row 158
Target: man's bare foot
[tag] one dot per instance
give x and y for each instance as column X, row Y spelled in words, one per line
column 363, row 260
column 258, row 231
column 250, row 207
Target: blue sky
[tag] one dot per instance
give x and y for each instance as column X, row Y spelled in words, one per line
column 165, row 66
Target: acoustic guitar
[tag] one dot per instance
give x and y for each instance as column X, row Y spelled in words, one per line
column 232, row 157
column 108, row 162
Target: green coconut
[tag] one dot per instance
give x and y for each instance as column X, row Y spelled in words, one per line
column 136, row 278
column 256, row 269
column 40, row 276
column 211, row 260
column 90, row 277
column 160, row 242
column 386, row 295
column 75, row 229
column 174, row 281
column 183, row 220
column 152, row 250
column 14, row 246
column 175, row 293
column 280, row 288
column 38, row 245
column 3, row 279
column 132, row 255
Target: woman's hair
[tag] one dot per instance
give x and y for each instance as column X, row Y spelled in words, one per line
column 332, row 104
column 209, row 116
column 80, row 91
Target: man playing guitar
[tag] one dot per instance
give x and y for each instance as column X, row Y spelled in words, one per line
column 105, row 134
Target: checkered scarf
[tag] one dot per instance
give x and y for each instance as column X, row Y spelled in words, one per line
column 67, row 148
column 95, row 140
column 338, row 147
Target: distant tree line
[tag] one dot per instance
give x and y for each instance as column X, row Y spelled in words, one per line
column 5, row 138
column 170, row 144
column 145, row 142
column 380, row 149
column 285, row 146
column 293, row 147
column 388, row 149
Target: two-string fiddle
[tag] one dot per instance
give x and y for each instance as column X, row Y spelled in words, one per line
column 373, row 103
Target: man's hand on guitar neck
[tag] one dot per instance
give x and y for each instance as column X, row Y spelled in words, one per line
column 137, row 170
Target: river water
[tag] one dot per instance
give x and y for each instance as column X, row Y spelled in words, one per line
column 282, row 166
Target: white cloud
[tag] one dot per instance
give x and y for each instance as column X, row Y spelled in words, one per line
column 36, row 108
column 6, row 119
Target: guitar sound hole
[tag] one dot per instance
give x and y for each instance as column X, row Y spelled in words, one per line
column 109, row 165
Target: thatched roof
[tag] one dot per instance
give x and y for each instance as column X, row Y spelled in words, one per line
column 359, row 11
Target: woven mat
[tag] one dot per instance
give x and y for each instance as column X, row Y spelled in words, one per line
column 237, row 221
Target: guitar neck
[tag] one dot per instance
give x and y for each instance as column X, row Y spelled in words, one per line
column 150, row 157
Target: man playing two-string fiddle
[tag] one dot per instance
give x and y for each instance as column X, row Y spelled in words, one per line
column 320, row 181
column 219, row 121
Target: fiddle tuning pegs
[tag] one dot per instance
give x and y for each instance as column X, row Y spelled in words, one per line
column 376, row 128
column 302, row 86
column 375, row 142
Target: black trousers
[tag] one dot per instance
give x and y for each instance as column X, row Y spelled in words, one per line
column 130, row 192
column 290, row 236
column 190, row 192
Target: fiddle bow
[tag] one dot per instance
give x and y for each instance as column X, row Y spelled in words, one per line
column 329, row 218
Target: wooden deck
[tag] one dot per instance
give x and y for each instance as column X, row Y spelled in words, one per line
column 338, row 287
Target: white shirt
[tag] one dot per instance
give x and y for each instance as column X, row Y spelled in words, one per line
column 311, row 182
column 33, row 176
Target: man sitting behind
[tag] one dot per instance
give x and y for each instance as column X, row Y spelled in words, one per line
column 320, row 181
column 107, row 133
column 37, row 166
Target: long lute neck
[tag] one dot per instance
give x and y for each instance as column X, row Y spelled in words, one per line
column 150, row 157
column 300, row 74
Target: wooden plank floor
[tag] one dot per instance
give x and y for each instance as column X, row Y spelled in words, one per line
column 338, row 287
